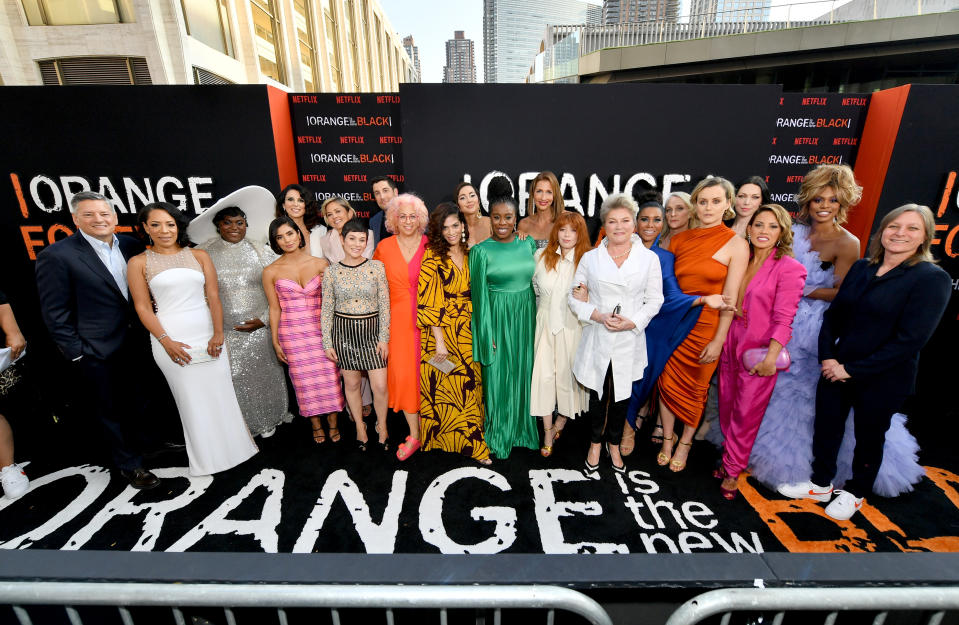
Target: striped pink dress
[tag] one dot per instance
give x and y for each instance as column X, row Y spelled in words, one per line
column 316, row 379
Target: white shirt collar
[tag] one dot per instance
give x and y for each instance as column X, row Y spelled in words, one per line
column 98, row 243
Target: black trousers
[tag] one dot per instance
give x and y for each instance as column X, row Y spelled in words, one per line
column 116, row 400
column 874, row 402
column 605, row 415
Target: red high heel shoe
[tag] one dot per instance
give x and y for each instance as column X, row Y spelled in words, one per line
column 728, row 493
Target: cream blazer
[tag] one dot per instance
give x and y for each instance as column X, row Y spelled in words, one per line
column 637, row 287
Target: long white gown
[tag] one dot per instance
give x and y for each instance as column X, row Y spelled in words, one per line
column 216, row 435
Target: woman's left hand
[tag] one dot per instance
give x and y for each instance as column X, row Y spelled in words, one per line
column 836, row 373
column 522, row 236
column 618, row 323
column 710, row 353
column 383, row 349
column 764, row 368
column 580, row 292
column 215, row 346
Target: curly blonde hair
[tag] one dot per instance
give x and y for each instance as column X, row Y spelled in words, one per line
column 404, row 200
column 842, row 181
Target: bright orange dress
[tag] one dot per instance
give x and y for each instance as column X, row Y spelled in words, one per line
column 403, row 363
column 684, row 382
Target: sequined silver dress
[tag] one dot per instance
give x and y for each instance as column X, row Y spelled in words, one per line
column 257, row 375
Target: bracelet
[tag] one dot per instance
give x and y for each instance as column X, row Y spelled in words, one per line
column 161, row 337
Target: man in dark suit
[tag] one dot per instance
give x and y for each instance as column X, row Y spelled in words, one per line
column 384, row 190
column 85, row 303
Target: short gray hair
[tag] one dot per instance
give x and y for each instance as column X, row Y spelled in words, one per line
column 83, row 196
column 618, row 200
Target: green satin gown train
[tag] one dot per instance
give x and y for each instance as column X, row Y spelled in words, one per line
column 504, row 315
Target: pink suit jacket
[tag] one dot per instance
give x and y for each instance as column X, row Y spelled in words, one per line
column 770, row 303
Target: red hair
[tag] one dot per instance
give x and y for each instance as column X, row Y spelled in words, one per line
column 567, row 218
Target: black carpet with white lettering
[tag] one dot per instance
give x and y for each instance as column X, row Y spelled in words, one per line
column 297, row 496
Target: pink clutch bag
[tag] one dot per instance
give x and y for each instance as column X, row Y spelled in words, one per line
column 752, row 357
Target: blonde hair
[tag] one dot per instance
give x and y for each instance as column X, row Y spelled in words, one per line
column 706, row 183
column 351, row 213
column 877, row 252
column 557, row 207
column 784, row 246
column 691, row 222
column 840, row 178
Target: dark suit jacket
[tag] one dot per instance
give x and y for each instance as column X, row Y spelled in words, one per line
column 80, row 302
column 877, row 325
column 378, row 226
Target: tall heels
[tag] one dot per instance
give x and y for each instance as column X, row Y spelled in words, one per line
column 728, row 493
column 662, row 459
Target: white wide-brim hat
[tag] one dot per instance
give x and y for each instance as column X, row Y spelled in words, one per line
column 258, row 204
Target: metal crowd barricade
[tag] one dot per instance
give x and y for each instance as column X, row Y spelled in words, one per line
column 831, row 601
column 232, row 597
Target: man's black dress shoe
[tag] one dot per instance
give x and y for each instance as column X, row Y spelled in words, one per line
column 140, row 478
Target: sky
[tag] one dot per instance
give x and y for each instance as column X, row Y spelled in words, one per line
column 432, row 22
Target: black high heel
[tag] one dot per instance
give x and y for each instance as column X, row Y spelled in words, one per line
column 620, row 469
column 591, row 471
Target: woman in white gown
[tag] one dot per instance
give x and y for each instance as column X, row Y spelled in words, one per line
column 180, row 285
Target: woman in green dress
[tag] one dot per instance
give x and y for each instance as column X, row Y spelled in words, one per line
column 504, row 322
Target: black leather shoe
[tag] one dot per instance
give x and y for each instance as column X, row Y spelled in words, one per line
column 140, row 478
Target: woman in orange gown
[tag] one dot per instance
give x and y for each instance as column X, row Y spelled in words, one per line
column 710, row 259
column 402, row 255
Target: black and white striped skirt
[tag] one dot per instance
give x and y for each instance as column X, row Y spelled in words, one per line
column 354, row 339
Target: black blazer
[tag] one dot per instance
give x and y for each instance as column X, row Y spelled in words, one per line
column 877, row 325
column 80, row 302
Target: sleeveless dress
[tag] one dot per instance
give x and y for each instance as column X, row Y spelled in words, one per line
column 668, row 329
column 783, row 449
column 684, row 382
column 451, row 409
column 403, row 364
column 216, row 436
column 316, row 380
column 504, row 314
column 258, row 377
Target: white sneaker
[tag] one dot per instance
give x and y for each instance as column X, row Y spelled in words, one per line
column 806, row 490
column 15, row 482
column 844, row 506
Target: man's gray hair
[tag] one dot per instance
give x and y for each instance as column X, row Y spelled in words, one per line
column 88, row 195
column 618, row 200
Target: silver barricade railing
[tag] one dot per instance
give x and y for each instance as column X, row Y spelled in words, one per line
column 280, row 596
column 830, row 600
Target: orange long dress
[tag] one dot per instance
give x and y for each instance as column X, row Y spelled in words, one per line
column 684, row 382
column 403, row 363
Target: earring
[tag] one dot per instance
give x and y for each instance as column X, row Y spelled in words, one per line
column 747, row 237
column 777, row 243
column 463, row 238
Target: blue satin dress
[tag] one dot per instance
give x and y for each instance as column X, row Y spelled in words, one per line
column 664, row 333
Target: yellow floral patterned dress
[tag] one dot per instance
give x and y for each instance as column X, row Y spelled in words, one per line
column 451, row 413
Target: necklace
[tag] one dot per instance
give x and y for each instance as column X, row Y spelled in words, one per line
column 619, row 255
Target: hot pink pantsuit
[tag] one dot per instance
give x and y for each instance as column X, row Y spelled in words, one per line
column 768, row 308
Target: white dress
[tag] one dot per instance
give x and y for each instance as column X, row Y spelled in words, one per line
column 216, row 435
column 558, row 333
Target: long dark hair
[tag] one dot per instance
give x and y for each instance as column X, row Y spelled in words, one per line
column 182, row 223
column 435, row 240
column 311, row 218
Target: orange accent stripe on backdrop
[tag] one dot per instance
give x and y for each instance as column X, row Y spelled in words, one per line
column 282, row 135
column 872, row 161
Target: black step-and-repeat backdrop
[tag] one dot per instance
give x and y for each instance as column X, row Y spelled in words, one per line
column 597, row 139
column 186, row 145
column 812, row 129
column 343, row 141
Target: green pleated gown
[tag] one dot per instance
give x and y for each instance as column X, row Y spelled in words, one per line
column 504, row 315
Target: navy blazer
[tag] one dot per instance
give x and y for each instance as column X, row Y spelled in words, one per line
column 80, row 302
column 877, row 325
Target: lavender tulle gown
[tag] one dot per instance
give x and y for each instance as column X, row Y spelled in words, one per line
column 783, row 449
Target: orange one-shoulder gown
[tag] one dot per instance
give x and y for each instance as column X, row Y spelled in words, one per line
column 684, row 382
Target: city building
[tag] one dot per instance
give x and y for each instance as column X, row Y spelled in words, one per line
column 876, row 9
column 296, row 45
column 621, row 11
column 729, row 10
column 820, row 55
column 513, row 30
column 413, row 52
column 460, row 59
